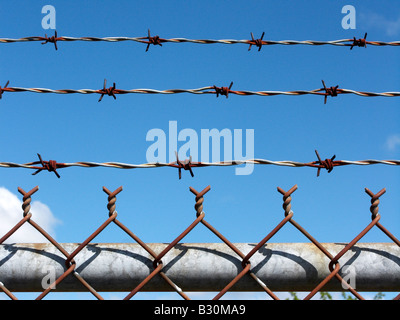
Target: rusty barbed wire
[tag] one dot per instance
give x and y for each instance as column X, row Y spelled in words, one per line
column 156, row 40
column 327, row 164
column 223, row 91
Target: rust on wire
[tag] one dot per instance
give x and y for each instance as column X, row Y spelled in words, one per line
column 50, row 166
column 200, row 214
column 112, row 198
column 111, row 208
column 288, row 217
column 26, row 212
column 375, row 201
column 332, row 91
column 156, row 40
column 327, row 164
column 108, row 91
column 185, row 164
column 71, row 264
column 27, row 218
column 71, row 268
column 52, row 39
column 257, row 42
column 334, row 263
column 26, row 204
column 359, row 42
column 375, row 214
column 2, row 89
column 157, row 262
column 289, row 213
column 223, row 91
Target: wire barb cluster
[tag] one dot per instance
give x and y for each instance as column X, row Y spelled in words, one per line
column 359, row 42
column 52, row 39
column 2, row 89
column 50, row 166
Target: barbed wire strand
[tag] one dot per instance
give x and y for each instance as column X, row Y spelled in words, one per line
column 327, row 164
column 156, row 40
column 223, row 91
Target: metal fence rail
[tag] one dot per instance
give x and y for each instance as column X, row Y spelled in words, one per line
column 204, row 267
column 184, row 267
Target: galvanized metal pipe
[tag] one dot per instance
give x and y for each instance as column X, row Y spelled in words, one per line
column 199, row 266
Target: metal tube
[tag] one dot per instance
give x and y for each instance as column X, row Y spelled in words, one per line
column 199, row 267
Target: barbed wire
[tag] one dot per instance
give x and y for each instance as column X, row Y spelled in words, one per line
column 187, row 164
column 223, row 91
column 156, row 40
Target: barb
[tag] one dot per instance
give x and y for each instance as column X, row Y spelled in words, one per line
column 156, row 40
column 52, row 39
column 2, row 89
column 327, row 164
column 359, row 42
column 332, row 91
column 223, row 91
column 186, row 165
column 257, row 42
column 50, row 166
column 112, row 91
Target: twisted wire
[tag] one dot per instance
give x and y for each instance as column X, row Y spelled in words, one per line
column 112, row 199
column 202, row 90
column 285, row 163
column 199, row 205
column 375, row 201
column 147, row 40
column 26, row 204
column 120, row 165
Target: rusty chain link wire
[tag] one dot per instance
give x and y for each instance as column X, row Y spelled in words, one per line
column 327, row 164
column 157, row 41
column 158, row 266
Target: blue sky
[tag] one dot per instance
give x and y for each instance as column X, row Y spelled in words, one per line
column 155, row 204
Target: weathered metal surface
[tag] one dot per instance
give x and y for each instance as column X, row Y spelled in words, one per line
column 200, row 267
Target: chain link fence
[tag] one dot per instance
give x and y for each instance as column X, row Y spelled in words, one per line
column 181, row 267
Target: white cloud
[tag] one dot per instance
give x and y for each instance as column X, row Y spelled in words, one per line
column 375, row 20
column 393, row 142
column 11, row 213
